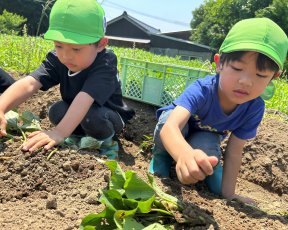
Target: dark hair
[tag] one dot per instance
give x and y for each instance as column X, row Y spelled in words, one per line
column 95, row 43
column 263, row 62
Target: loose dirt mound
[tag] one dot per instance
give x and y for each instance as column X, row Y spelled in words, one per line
column 39, row 194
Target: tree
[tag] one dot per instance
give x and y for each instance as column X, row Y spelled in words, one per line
column 30, row 9
column 213, row 19
column 11, row 23
column 277, row 12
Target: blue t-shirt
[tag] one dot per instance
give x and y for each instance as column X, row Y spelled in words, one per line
column 201, row 100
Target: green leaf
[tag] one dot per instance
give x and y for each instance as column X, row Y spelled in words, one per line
column 88, row 228
column 112, row 199
column 12, row 118
column 136, row 188
column 129, row 203
column 155, row 226
column 140, row 201
column 89, row 143
column 162, row 211
column 95, row 221
column 120, row 215
column 73, row 140
column 130, row 223
column 143, row 206
column 30, row 121
column 117, row 176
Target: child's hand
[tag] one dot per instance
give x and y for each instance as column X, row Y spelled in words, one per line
column 243, row 199
column 42, row 138
column 3, row 124
column 194, row 166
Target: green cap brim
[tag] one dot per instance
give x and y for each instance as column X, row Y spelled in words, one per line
column 69, row 37
column 249, row 46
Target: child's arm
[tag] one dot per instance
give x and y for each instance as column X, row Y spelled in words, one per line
column 75, row 114
column 16, row 94
column 232, row 164
column 192, row 164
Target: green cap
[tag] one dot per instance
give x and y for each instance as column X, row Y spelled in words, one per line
column 257, row 34
column 76, row 22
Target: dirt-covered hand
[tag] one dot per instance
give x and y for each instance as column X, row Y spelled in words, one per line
column 194, row 166
column 39, row 139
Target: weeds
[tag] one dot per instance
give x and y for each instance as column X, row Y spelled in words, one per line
column 147, row 143
column 55, row 150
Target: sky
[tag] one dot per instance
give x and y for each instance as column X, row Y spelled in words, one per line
column 166, row 15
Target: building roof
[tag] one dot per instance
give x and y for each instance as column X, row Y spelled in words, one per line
column 137, row 40
column 182, row 34
column 136, row 22
column 153, row 35
column 181, row 40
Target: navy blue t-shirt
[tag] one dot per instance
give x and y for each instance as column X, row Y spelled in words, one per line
column 100, row 81
column 5, row 80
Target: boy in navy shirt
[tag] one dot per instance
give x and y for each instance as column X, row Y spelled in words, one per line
column 86, row 71
column 5, row 80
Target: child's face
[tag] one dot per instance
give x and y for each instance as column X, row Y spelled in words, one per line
column 76, row 57
column 241, row 81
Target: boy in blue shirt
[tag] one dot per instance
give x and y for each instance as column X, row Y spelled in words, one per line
column 190, row 130
column 91, row 94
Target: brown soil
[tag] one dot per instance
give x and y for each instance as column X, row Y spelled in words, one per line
column 39, row 194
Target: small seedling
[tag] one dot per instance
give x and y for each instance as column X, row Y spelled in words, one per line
column 25, row 122
column 147, row 143
column 52, row 153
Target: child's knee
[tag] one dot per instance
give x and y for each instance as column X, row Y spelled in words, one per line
column 57, row 111
column 208, row 142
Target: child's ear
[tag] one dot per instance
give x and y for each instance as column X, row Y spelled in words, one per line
column 217, row 62
column 276, row 75
column 103, row 42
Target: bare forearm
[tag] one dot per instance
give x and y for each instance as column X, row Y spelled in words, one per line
column 171, row 135
column 75, row 114
column 231, row 169
column 174, row 141
column 19, row 92
column 232, row 164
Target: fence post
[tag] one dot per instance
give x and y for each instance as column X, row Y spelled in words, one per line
column 123, row 64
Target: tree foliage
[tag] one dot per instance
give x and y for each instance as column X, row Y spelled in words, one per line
column 213, row 19
column 277, row 11
column 37, row 19
column 11, row 23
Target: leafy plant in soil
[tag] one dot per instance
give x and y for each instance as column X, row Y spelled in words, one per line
column 131, row 203
column 147, row 143
column 25, row 122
